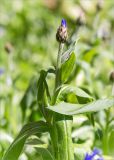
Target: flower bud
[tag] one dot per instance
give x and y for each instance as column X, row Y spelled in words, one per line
column 8, row 47
column 99, row 5
column 81, row 20
column 112, row 76
column 61, row 34
column 104, row 31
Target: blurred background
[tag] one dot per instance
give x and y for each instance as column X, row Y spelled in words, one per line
column 28, row 44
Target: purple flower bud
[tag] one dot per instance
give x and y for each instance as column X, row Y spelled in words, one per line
column 61, row 34
column 63, row 23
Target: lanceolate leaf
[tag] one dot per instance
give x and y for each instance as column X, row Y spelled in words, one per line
column 16, row 147
column 72, row 109
column 67, row 67
column 67, row 53
column 34, row 141
column 66, row 90
column 43, row 92
column 42, row 85
column 81, row 95
column 29, row 96
column 65, row 108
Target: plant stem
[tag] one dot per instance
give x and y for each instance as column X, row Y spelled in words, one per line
column 105, row 134
column 113, row 89
column 61, row 137
column 62, row 125
column 58, row 71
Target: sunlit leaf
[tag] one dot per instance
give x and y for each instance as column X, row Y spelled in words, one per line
column 67, row 67
column 81, row 95
column 72, row 109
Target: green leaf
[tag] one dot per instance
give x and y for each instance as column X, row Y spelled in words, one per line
column 42, row 86
column 43, row 94
column 65, row 108
column 89, row 54
column 91, row 118
column 45, row 154
column 81, row 95
column 16, row 147
column 67, row 68
column 66, row 54
column 29, row 96
column 66, row 90
column 34, row 141
column 72, row 109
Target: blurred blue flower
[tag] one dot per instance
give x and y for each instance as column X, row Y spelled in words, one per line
column 95, row 155
column 63, row 23
column 1, row 71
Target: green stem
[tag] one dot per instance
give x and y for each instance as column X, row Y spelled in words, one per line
column 60, row 131
column 105, row 134
column 58, row 71
column 105, row 143
column 61, row 137
column 113, row 89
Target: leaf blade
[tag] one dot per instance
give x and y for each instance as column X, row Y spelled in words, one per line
column 73, row 109
column 67, row 67
column 16, row 147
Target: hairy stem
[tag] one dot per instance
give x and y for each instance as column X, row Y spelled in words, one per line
column 58, row 71
column 60, row 131
column 61, row 137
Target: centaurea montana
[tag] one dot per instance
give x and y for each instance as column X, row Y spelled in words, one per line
column 61, row 34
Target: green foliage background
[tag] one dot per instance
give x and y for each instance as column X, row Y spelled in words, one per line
column 30, row 26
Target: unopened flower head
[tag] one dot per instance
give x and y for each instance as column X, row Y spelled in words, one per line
column 61, row 34
column 95, row 155
column 99, row 4
column 112, row 76
column 81, row 20
column 8, row 47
